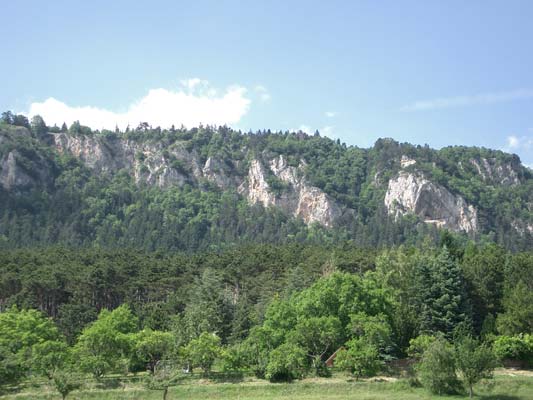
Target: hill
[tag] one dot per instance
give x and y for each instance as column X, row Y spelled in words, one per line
column 206, row 187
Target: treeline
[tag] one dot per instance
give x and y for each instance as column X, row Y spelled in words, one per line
column 279, row 311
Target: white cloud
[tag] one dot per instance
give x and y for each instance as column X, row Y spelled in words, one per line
column 519, row 143
column 463, row 101
column 512, row 142
column 263, row 93
column 331, row 114
column 193, row 103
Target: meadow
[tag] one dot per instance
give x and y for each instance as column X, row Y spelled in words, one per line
column 506, row 385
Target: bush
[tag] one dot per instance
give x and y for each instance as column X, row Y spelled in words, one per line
column 514, row 347
column 360, row 358
column 437, row 369
column 419, row 345
column 287, row 362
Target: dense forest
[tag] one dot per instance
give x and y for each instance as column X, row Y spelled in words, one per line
column 102, row 272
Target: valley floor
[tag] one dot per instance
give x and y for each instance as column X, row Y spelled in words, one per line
column 507, row 385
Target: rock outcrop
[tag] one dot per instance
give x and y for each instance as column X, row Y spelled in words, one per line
column 297, row 197
column 492, row 172
column 434, row 204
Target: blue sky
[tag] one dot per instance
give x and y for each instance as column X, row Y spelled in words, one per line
column 436, row 72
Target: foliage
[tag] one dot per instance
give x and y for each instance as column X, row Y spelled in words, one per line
column 106, row 341
column 48, row 357
column 65, row 382
column 20, row 332
column 474, row 361
column 359, row 357
column 437, row 369
column 286, row 362
column 514, row 347
column 150, row 347
column 203, row 351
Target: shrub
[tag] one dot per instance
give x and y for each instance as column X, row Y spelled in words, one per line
column 437, row 369
column 287, row 362
column 360, row 358
column 514, row 347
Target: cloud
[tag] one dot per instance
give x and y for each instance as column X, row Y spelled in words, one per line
column 512, row 142
column 331, row 114
column 464, row 101
column 519, row 143
column 263, row 93
column 193, row 103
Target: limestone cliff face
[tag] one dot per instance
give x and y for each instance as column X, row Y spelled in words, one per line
column 492, row 172
column 149, row 163
column 412, row 193
column 21, row 170
column 174, row 166
column 297, row 197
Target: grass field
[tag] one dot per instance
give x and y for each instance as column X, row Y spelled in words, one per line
column 507, row 385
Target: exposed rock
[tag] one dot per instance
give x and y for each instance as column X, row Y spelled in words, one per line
column 491, row 171
column 215, row 171
column 299, row 198
column 158, row 166
column 410, row 193
column 11, row 175
column 406, row 161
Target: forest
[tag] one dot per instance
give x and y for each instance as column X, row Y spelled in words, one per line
column 101, row 276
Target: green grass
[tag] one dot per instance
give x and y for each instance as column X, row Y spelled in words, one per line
column 503, row 387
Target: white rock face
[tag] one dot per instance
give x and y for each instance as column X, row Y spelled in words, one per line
column 410, row 193
column 156, row 168
column 11, row 175
column 502, row 174
column 299, row 199
column 406, row 161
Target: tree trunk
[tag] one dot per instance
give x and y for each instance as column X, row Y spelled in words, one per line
column 165, row 392
column 471, row 391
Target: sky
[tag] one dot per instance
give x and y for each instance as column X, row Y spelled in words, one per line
column 425, row 72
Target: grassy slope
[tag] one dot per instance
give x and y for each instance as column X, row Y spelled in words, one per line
column 504, row 387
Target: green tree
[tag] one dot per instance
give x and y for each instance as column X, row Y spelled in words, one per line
column 152, row 346
column 518, row 314
column 203, row 351
column 318, row 336
column 65, row 382
column 20, row 331
column 106, row 341
column 360, row 358
column 442, row 296
column 49, row 356
column 437, row 369
column 286, row 362
column 474, row 361
column 38, row 126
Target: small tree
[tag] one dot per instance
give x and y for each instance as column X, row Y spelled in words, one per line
column 163, row 377
column 151, row 346
column 437, row 370
column 287, row 362
column 48, row 357
column 474, row 361
column 204, row 351
column 65, row 383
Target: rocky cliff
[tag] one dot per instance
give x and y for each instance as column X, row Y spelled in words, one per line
column 297, row 197
column 434, row 204
column 174, row 166
column 303, row 181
